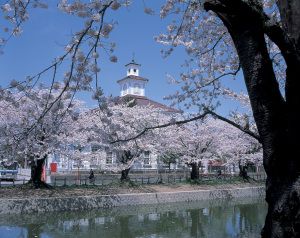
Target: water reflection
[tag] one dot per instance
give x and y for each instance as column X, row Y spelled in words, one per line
column 239, row 218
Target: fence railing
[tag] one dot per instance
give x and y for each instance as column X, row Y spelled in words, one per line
column 258, row 177
column 100, row 181
column 12, row 182
column 147, row 179
column 103, row 180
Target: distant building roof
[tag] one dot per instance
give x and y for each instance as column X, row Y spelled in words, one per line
column 144, row 101
column 132, row 62
column 133, row 77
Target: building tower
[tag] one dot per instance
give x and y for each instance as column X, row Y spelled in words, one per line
column 133, row 84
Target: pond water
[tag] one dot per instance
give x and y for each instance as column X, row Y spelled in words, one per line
column 235, row 218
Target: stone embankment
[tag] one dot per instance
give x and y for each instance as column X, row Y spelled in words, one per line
column 51, row 204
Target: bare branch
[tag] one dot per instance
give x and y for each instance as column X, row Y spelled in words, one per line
column 201, row 116
column 162, row 126
column 243, row 129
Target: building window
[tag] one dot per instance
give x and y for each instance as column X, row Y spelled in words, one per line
column 109, row 157
column 147, row 157
column 124, row 87
column 136, row 89
column 134, row 70
column 95, row 148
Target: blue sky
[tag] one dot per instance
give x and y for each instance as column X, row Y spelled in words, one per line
column 49, row 30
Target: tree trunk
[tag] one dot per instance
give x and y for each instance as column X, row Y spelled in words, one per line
column 125, row 158
column 243, row 171
column 124, row 175
column 36, row 173
column 276, row 119
column 195, row 171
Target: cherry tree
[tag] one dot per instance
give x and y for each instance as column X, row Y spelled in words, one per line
column 189, row 142
column 80, row 57
column 197, row 142
column 234, row 147
column 77, row 68
column 222, row 37
column 25, row 135
column 106, row 128
column 261, row 38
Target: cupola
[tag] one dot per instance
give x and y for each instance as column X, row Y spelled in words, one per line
column 133, row 83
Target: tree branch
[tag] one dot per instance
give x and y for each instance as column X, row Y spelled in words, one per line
column 201, row 116
column 161, row 126
column 241, row 128
column 284, row 43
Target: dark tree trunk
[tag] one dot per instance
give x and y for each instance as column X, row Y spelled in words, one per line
column 243, row 171
column 126, row 156
column 276, row 117
column 36, row 173
column 195, row 171
column 124, row 174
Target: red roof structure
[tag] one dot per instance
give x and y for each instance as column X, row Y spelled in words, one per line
column 144, row 101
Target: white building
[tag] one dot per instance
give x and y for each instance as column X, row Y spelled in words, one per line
column 132, row 87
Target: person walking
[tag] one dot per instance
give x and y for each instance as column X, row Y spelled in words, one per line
column 92, row 176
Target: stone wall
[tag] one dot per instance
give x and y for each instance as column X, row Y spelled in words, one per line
column 33, row 205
